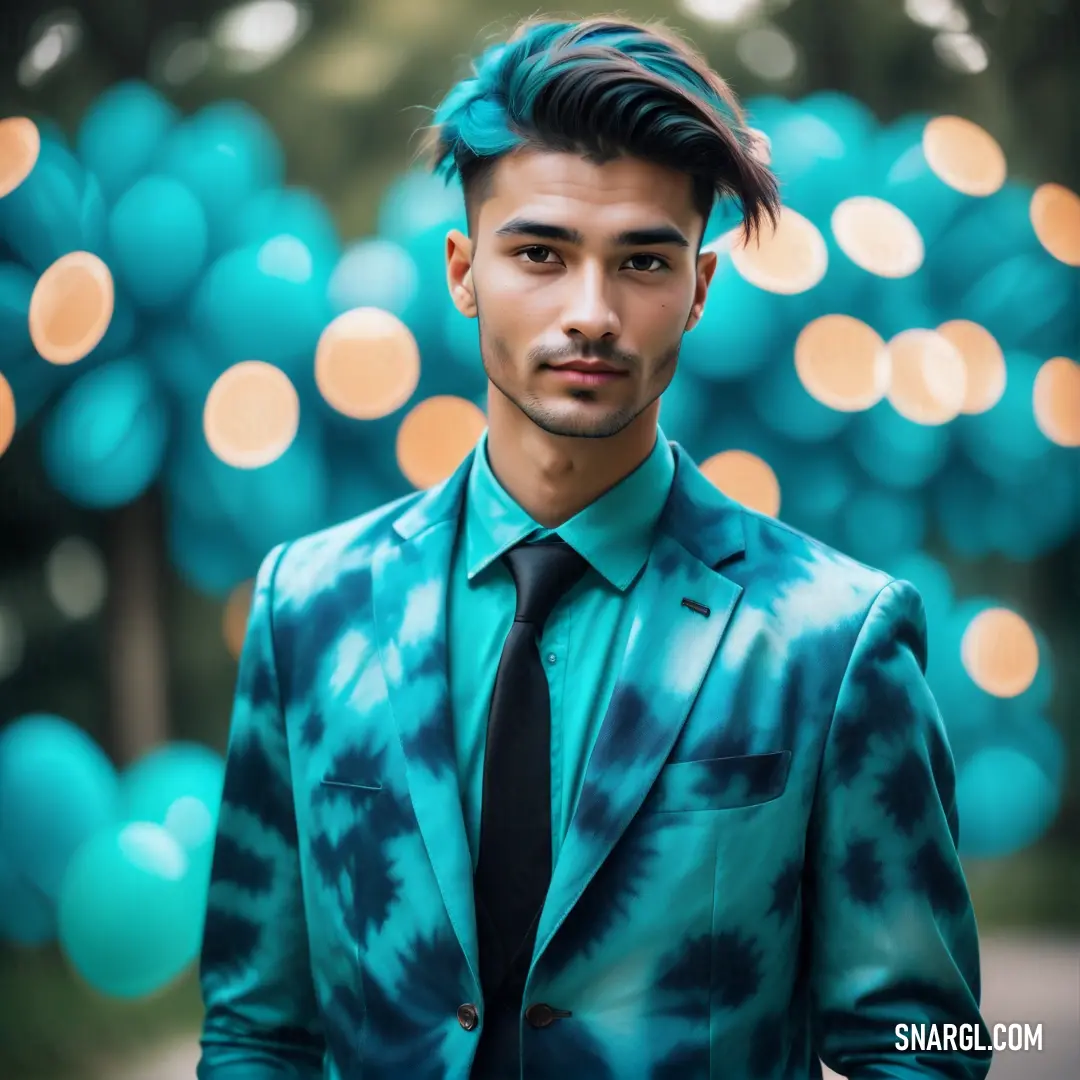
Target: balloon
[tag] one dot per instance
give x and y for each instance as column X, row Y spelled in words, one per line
column 375, row 273
column 58, row 208
column 16, row 288
column 418, row 201
column 104, row 443
column 178, row 786
column 225, row 154
column 27, row 916
column 785, row 406
column 261, row 302
column 57, row 787
column 1005, row 801
column 896, row 451
column 121, row 132
column 130, row 911
column 158, row 239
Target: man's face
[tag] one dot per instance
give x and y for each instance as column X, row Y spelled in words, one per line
column 572, row 261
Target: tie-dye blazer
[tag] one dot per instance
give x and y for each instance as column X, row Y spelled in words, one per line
column 761, row 870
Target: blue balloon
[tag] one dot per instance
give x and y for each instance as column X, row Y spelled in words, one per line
column 158, row 239
column 896, row 451
column 375, row 273
column 130, row 911
column 854, row 121
column 741, row 328
column 121, row 132
column 787, row 408
column 57, row 787
column 1005, row 801
column 57, row 209
column 1005, row 441
column 880, row 525
column 105, row 441
column 261, row 303
column 27, row 916
column 178, row 786
column 912, row 186
column 16, row 288
column 899, row 304
column 225, row 154
column 182, row 366
column 418, row 201
column 294, row 212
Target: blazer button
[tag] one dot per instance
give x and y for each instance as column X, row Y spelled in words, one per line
column 468, row 1016
column 540, row 1015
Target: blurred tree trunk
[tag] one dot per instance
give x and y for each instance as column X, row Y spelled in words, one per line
column 137, row 655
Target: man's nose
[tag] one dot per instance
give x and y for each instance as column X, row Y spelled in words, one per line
column 589, row 310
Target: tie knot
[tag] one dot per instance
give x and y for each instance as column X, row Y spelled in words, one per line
column 543, row 572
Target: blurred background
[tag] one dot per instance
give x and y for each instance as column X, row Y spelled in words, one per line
column 224, row 324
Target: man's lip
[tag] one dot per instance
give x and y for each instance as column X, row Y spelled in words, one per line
column 591, row 366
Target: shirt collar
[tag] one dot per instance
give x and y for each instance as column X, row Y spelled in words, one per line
column 613, row 534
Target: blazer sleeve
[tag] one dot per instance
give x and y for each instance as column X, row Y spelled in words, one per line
column 261, row 1021
column 893, row 938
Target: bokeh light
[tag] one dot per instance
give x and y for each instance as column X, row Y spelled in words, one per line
column 367, row 363
column 435, row 437
column 878, row 237
column 1000, row 653
column 789, row 259
column 234, row 618
column 984, row 363
column 20, row 144
column 71, row 307
column 746, row 478
column 842, row 362
column 252, row 414
column 964, row 155
column 1055, row 217
column 1056, row 401
column 928, row 384
column 7, row 414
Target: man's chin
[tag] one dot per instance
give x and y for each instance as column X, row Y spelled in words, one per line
column 584, row 420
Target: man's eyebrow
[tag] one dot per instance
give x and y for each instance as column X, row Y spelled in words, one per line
column 644, row 237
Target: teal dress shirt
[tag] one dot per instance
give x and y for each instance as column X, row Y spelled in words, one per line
column 583, row 639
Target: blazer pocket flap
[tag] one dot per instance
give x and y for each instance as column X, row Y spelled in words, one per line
column 719, row 783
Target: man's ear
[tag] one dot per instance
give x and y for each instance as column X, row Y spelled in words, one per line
column 706, row 267
column 459, row 251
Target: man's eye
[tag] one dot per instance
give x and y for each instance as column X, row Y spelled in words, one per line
column 643, row 262
column 536, row 254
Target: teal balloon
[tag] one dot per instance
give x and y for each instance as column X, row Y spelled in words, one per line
column 158, row 240
column 895, row 139
column 225, row 154
column 57, row 209
column 178, row 786
column 854, row 121
column 261, row 302
column 899, row 304
column 276, row 211
column 895, row 451
column 913, row 187
column 740, row 330
column 430, row 303
column 879, row 525
column 57, row 787
column 988, row 232
column 787, row 408
column 375, row 273
column 418, row 201
column 1005, row 802
column 16, row 288
column 1005, row 442
column 121, row 132
column 130, row 912
column 181, row 365
column 27, row 915
column 104, row 442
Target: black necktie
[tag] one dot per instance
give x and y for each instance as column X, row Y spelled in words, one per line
column 514, row 865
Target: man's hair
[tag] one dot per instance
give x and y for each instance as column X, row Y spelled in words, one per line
column 602, row 88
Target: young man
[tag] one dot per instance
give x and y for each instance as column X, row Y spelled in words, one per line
column 570, row 768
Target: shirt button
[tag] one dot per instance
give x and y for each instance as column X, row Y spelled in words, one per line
column 468, row 1016
column 552, row 658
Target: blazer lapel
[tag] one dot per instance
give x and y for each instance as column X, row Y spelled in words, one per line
column 409, row 592
column 668, row 653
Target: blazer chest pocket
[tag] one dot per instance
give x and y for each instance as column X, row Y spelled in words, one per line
column 719, row 783
column 344, row 784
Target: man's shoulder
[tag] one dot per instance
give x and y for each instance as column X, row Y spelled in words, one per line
column 793, row 571
column 321, row 560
